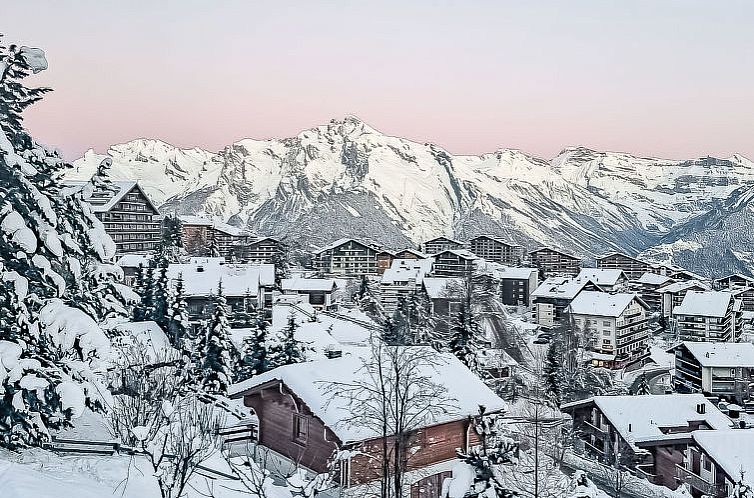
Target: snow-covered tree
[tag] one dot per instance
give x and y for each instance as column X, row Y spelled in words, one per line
column 282, row 265
column 255, row 357
column 178, row 326
column 171, row 248
column 582, row 486
column 218, row 350
column 742, row 489
column 466, row 337
column 365, row 298
column 643, row 387
column 288, row 349
column 159, row 311
column 52, row 248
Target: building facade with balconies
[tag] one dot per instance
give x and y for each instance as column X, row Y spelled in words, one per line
column 711, row 316
column 721, row 369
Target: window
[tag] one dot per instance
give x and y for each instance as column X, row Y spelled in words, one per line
column 606, row 323
column 300, row 428
column 707, row 464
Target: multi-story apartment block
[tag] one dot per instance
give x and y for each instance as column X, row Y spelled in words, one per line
column 453, row 263
column 260, row 250
column 715, row 461
column 632, row 267
column 609, row 280
column 441, row 244
column 129, row 216
column 711, row 316
column 410, row 254
column 648, row 286
column 347, row 257
column 616, row 325
column 554, row 263
column 672, row 295
column 723, row 369
column 496, row 251
column 402, row 279
column 516, row 283
column 203, row 236
column 734, row 281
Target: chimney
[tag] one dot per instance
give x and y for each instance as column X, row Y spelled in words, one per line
column 629, row 427
column 701, row 408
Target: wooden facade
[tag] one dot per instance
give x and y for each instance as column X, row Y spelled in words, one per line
column 440, row 244
column 289, row 427
column 347, row 257
column 632, row 267
column 201, row 236
column 129, row 217
column 552, row 262
column 453, row 263
column 496, row 251
column 260, row 250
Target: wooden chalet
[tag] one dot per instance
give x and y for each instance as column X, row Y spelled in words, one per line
column 633, row 268
column 202, row 235
column 441, row 244
column 260, row 250
column 554, row 263
column 453, row 263
column 410, row 254
column 301, row 419
column 347, row 257
column 716, row 461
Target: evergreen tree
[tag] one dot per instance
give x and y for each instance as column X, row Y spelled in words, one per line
column 466, row 338
column 552, row 372
column 159, row 311
column 282, row 266
column 52, row 250
column 643, row 387
column 390, row 333
column 218, row 351
column 214, row 249
column 289, row 350
column 367, row 302
column 254, row 354
column 139, row 312
column 178, row 327
column 171, row 244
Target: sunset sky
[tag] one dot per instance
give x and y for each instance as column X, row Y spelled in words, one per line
column 664, row 78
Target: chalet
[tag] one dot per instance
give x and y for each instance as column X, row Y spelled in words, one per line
column 247, row 288
column 496, row 364
column 553, row 296
column 259, row 250
column 410, row 254
column 128, row 215
column 647, row 433
column 496, row 251
column 347, row 257
column 733, row 281
column 318, row 291
column 384, row 260
column 746, row 296
column 305, row 421
column 453, row 263
column 722, row 369
column 131, row 264
column 402, row 279
column 632, row 267
column 207, row 237
column 715, row 461
column 672, row 295
column 554, row 263
column 648, row 286
column 440, row 244
column 609, row 280
column 616, row 325
column 711, row 316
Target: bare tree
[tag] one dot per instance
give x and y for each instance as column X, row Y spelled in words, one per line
column 153, row 415
column 395, row 392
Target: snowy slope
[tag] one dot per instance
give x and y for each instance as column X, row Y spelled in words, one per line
column 345, row 178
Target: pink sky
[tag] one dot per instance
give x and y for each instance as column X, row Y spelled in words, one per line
column 672, row 78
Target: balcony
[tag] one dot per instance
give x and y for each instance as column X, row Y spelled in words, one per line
column 696, row 482
column 593, row 428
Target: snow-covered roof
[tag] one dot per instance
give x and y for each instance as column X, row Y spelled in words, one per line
column 437, row 287
column 436, row 239
column 215, row 224
column 503, row 272
column 733, row 450
column 202, row 279
column 496, row 239
column 134, row 260
column 104, row 201
column 407, row 269
column 621, row 254
column 546, row 248
column 308, row 284
column 651, row 416
column 461, row 253
column 683, row 286
column 342, row 241
column 602, row 276
column 654, row 279
column 735, row 275
column 560, row 287
column 708, row 303
column 722, row 354
column 416, row 253
column 310, row 381
column 595, row 303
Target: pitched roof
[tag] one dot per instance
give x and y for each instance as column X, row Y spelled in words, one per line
column 416, row 253
column 707, row 303
column 407, row 269
column 444, row 238
column 545, row 248
column 616, row 253
column 654, row 279
column 603, row 304
column 496, row 239
column 308, row 284
column 461, row 253
column 215, row 224
column 133, row 260
column 310, row 380
column 342, row 241
column 733, row 450
column 203, row 278
column 560, row 287
column 103, row 200
column 722, row 354
column 682, row 286
column 602, row 276
column 647, row 418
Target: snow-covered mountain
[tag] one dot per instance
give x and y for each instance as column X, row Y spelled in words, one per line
column 345, row 178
